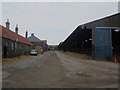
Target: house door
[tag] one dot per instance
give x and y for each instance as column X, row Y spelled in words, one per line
column 5, row 50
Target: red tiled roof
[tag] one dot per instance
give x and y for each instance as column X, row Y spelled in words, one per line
column 13, row 36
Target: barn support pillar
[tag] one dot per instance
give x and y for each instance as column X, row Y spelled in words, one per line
column 93, row 45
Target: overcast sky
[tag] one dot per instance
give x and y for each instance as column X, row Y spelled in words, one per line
column 53, row 21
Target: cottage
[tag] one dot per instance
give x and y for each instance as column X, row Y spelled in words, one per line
column 13, row 44
column 37, row 42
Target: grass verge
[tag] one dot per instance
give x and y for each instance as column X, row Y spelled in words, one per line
column 15, row 59
column 82, row 56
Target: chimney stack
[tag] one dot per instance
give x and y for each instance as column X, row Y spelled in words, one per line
column 16, row 29
column 8, row 24
column 26, row 34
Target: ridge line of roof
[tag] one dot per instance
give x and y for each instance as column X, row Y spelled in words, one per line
column 20, row 37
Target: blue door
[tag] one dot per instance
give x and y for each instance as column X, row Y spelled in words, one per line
column 103, row 43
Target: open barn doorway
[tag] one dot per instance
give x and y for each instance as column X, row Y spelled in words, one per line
column 116, row 41
column 79, row 41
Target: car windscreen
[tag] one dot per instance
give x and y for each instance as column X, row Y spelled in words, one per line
column 33, row 50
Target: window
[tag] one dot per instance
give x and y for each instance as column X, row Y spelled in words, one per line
column 15, row 44
column 12, row 45
column 6, row 43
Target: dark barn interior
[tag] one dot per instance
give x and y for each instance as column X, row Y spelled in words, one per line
column 116, row 42
column 79, row 41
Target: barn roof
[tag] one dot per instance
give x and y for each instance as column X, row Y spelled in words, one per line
column 33, row 38
column 13, row 36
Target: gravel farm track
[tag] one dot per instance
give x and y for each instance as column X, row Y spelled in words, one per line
column 56, row 69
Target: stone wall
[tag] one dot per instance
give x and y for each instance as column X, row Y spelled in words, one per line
column 12, row 48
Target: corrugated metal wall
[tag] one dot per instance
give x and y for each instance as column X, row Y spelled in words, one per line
column 103, row 43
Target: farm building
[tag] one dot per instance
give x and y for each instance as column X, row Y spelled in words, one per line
column 13, row 44
column 99, row 38
column 37, row 42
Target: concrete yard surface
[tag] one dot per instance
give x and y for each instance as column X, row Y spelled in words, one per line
column 56, row 69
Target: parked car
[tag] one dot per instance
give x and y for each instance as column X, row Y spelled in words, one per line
column 33, row 52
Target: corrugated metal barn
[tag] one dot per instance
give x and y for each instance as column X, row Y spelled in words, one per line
column 99, row 38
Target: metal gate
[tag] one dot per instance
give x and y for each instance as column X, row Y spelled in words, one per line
column 103, row 43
